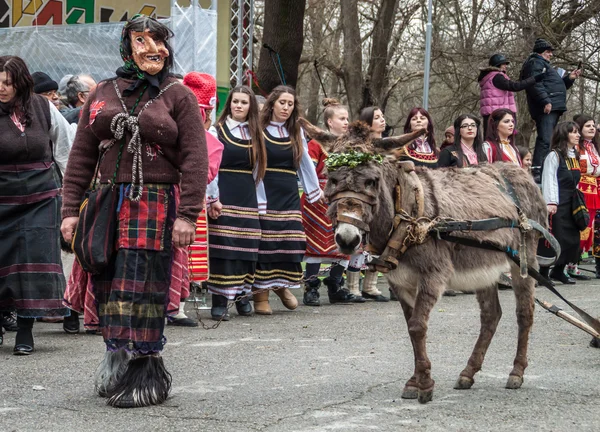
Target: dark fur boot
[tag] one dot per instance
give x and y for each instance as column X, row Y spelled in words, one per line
column 145, row 382
column 110, row 370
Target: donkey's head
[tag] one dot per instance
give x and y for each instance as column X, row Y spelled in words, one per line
column 360, row 183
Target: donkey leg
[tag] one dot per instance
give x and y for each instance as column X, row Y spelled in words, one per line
column 411, row 390
column 417, row 327
column 491, row 312
column 524, row 290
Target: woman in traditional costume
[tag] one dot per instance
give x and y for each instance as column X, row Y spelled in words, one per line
column 283, row 243
column 35, row 140
column 589, row 162
column 144, row 130
column 233, row 225
column 421, row 151
column 560, row 177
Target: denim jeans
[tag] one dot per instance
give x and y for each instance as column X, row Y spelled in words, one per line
column 545, row 126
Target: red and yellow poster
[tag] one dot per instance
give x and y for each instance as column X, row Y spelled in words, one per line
column 17, row 13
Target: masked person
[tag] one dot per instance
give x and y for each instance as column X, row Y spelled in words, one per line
column 147, row 129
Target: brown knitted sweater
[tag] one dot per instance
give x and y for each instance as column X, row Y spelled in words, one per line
column 173, row 145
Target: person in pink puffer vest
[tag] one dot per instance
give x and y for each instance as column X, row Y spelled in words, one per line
column 497, row 90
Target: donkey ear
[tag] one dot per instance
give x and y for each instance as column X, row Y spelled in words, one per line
column 326, row 139
column 397, row 141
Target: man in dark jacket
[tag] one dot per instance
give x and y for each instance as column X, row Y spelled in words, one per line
column 547, row 99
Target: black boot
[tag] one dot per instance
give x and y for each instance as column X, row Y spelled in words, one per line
column 338, row 294
column 8, row 320
column 243, row 306
column 597, row 269
column 219, row 308
column 71, row 323
column 558, row 273
column 311, row 292
column 24, row 338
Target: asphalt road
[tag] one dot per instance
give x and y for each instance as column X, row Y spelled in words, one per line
column 331, row 368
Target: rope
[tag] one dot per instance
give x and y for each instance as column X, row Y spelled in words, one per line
column 127, row 122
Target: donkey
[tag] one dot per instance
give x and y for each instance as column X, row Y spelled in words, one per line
column 424, row 271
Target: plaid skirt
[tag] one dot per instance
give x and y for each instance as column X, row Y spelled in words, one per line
column 132, row 292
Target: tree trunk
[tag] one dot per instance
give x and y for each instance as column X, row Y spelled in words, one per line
column 377, row 81
column 284, row 33
column 315, row 21
column 352, row 62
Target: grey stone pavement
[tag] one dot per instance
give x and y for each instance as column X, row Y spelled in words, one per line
column 331, row 368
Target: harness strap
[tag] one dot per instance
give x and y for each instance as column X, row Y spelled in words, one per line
column 354, row 221
column 514, row 256
column 349, row 194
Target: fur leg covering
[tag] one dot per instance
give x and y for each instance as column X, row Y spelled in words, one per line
column 145, row 382
column 110, row 370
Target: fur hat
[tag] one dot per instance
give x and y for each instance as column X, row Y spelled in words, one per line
column 542, row 45
column 42, row 83
column 204, row 87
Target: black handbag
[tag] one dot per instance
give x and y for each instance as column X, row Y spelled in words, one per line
column 94, row 238
column 581, row 214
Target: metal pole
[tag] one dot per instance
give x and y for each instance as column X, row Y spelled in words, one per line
column 427, row 56
column 250, row 44
column 195, row 5
column 240, row 44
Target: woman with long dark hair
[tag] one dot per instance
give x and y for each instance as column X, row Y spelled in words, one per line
column 468, row 148
column 422, row 151
column 35, row 139
column 233, row 224
column 143, row 130
column 283, row 243
column 560, row 177
column 375, row 118
column 589, row 162
column 499, row 144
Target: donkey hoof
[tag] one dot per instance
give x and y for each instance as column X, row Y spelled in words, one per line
column 410, row 392
column 464, row 383
column 514, row 382
column 425, row 396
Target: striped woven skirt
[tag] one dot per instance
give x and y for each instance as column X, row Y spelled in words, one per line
column 198, row 251
column 320, row 243
column 133, row 290
column 234, row 236
column 282, row 242
column 32, row 282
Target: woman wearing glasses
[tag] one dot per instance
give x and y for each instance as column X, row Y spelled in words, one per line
column 467, row 149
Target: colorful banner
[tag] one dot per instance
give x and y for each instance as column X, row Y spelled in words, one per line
column 17, row 13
